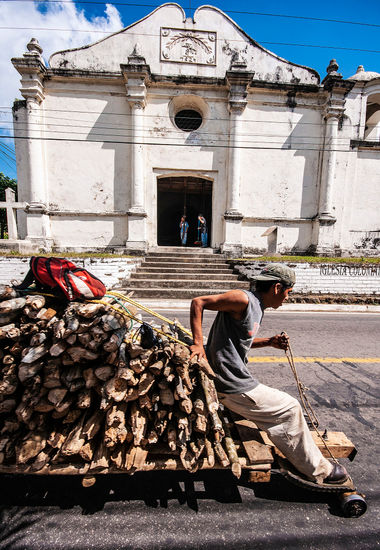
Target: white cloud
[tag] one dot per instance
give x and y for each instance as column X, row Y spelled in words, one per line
column 36, row 17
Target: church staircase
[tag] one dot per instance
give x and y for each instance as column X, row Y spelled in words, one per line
column 182, row 273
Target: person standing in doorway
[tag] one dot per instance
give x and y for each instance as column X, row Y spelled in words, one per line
column 183, row 229
column 202, row 230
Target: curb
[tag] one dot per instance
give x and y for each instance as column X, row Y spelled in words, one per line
column 173, row 304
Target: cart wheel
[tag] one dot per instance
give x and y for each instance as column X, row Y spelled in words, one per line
column 353, row 505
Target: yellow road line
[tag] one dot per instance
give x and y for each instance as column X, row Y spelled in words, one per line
column 274, row 359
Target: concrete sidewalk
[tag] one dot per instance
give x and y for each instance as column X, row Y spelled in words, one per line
column 171, row 304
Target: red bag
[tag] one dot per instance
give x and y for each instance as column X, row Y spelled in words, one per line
column 60, row 274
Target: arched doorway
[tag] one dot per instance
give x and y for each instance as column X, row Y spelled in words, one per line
column 178, row 195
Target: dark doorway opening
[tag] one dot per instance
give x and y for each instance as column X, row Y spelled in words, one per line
column 182, row 195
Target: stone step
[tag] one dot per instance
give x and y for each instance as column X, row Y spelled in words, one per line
column 191, row 255
column 173, row 293
column 185, row 284
column 181, row 263
column 182, row 269
column 180, row 275
column 188, row 250
column 187, row 270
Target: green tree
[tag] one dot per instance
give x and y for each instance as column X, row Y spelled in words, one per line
column 5, row 182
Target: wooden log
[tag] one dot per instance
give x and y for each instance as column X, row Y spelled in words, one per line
column 91, row 381
column 51, row 374
column 231, row 451
column 75, row 440
column 100, row 460
column 138, row 422
column 84, row 399
column 33, row 354
column 147, row 380
column 166, row 394
column 98, row 334
column 93, row 424
column 38, row 339
column 7, row 405
column 9, row 383
column 30, row 446
column 56, row 396
column 136, row 365
column 10, row 331
column 156, row 367
column 114, row 341
column 12, row 306
column 87, row 451
column 116, row 388
column 221, row 455
column 111, row 321
column 104, row 372
column 77, row 353
column 72, row 416
column 71, row 339
column 35, row 301
column 28, row 371
column 117, row 456
column 90, row 310
column 7, row 292
column 211, row 401
column 58, row 348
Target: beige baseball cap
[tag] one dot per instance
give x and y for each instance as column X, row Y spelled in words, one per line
column 277, row 272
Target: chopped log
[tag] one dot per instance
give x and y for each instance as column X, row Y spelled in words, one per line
column 166, row 395
column 7, row 405
column 7, row 292
column 72, row 416
column 87, row 451
column 98, row 334
column 145, row 402
column 93, row 424
column 51, row 374
column 211, row 401
column 56, row 396
column 90, row 310
column 57, row 438
column 146, row 382
column 221, row 455
column 77, row 353
column 32, row 444
column 209, row 452
column 130, row 457
column 12, row 306
column 26, row 372
column 113, row 343
column 90, row 378
column 231, row 451
column 136, row 365
column 140, row 458
column 58, row 348
column 116, row 388
column 48, row 315
column 138, row 422
column 172, row 435
column 9, row 383
column 117, row 457
column 100, row 460
column 59, row 329
column 156, row 367
column 33, row 354
column 75, row 440
column 43, row 406
column 10, row 331
column 71, row 339
column 84, row 338
column 35, row 302
column 104, row 373
column 38, row 339
column 112, row 321
column 84, row 399
column 186, row 405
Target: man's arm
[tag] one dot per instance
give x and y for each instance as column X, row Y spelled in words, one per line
column 234, row 302
column 279, row 341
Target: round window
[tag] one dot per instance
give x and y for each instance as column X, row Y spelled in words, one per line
column 188, row 120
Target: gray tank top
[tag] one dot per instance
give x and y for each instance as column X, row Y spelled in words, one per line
column 228, row 345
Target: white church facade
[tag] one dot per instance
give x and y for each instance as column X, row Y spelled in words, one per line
column 117, row 139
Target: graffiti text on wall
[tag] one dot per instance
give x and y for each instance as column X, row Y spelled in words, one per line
column 350, row 270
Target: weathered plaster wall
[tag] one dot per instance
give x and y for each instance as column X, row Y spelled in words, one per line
column 112, row 271
column 327, row 278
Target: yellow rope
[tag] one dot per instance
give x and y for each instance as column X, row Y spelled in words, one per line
column 147, row 310
column 122, row 312
column 305, row 401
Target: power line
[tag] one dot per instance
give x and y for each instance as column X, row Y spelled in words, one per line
column 109, row 33
column 167, row 117
column 239, row 12
column 203, row 145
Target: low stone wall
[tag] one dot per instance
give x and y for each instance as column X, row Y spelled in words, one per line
column 325, row 278
column 112, row 271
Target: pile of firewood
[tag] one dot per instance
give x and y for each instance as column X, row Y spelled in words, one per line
column 78, row 388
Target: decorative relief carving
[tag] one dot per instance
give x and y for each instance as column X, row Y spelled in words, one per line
column 182, row 46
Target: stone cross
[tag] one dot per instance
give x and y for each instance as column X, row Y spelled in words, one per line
column 11, row 206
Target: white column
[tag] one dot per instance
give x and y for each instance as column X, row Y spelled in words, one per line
column 136, row 74
column 137, row 191
column 329, row 158
column 238, row 81
column 233, row 200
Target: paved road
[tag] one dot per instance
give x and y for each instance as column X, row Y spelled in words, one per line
column 210, row 510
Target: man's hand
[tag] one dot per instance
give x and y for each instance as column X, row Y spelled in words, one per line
column 197, row 350
column 280, row 341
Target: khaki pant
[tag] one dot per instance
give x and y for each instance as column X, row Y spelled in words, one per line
column 281, row 417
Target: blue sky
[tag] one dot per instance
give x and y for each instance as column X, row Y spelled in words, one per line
column 334, row 40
